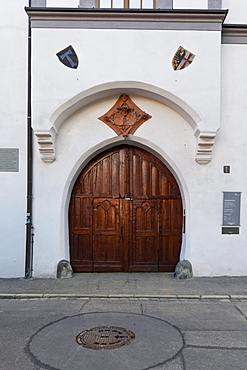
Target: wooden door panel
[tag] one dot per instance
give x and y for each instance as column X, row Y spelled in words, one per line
column 107, row 249
column 150, row 176
column 81, row 233
column 82, row 256
column 171, row 214
column 170, row 253
column 114, row 173
column 145, row 243
column 106, row 175
column 142, row 176
column 125, row 214
column 170, row 233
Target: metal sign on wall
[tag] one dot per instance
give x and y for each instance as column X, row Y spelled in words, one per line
column 9, row 160
column 231, row 209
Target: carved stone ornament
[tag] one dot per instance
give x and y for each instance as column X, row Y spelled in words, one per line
column 205, row 143
column 46, row 141
column 125, row 117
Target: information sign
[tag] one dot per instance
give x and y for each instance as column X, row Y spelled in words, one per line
column 231, row 208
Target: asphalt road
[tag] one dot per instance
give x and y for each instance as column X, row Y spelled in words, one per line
column 174, row 335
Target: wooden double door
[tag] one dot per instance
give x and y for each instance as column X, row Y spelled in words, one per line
column 125, row 214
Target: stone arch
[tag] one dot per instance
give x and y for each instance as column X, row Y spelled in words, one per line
column 47, row 138
column 125, row 87
column 107, row 144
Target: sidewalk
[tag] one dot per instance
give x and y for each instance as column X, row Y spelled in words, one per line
column 178, row 324
column 161, row 286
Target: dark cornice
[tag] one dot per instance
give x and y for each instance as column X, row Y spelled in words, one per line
column 234, row 34
column 208, row 20
column 125, row 10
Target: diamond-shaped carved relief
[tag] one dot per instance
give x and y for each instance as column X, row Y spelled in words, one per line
column 125, row 116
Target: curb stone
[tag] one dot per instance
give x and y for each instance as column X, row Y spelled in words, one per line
column 159, row 297
column 215, row 296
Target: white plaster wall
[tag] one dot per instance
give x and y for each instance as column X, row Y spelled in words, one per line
column 177, row 4
column 13, row 63
column 108, row 56
column 150, row 62
column 237, row 8
column 237, row 11
column 231, row 147
column 62, row 3
column 126, row 55
column 80, row 137
column 190, row 4
column 169, row 136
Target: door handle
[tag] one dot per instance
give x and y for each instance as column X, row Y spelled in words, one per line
column 121, row 231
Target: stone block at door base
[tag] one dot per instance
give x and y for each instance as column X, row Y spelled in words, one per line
column 183, row 270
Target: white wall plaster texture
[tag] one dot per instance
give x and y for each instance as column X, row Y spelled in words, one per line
column 234, row 15
column 171, row 137
column 190, row 4
column 81, row 135
column 75, row 138
column 210, row 252
column 62, row 3
column 177, row 4
column 231, row 147
column 146, row 57
column 13, row 135
column 237, row 11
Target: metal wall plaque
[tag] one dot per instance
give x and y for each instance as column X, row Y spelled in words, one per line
column 9, row 160
column 230, row 230
column 226, row 169
column 231, row 208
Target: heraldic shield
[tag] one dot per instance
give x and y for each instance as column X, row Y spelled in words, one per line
column 125, row 116
column 182, row 59
column 68, row 57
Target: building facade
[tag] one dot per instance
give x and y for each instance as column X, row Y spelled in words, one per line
column 136, row 113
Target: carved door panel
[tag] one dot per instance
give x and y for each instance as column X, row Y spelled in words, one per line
column 170, row 226
column 125, row 214
column 144, row 249
column 107, row 244
column 81, row 233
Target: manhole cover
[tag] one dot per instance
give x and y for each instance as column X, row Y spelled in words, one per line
column 105, row 337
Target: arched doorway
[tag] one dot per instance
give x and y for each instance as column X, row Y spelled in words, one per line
column 125, row 214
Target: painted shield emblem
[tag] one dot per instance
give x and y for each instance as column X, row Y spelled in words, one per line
column 182, row 59
column 68, row 57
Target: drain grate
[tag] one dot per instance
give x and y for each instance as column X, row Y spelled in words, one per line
column 105, row 337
